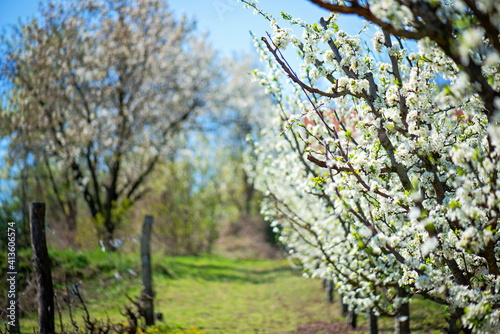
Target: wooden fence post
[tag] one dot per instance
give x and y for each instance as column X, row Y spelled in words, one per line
column 41, row 263
column 147, row 277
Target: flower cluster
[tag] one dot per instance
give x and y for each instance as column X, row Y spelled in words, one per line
column 385, row 175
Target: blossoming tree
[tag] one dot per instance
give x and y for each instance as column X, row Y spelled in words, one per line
column 101, row 88
column 382, row 164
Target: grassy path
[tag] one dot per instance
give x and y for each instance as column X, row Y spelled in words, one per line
column 241, row 297
column 212, row 295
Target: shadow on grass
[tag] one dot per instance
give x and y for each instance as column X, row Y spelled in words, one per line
column 226, row 273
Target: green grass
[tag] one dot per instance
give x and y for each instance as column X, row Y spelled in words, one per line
column 241, row 296
column 214, row 294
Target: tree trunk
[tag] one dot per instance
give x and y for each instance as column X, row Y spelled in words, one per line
column 71, row 222
column 110, row 242
column 249, row 192
column 212, row 237
column 72, row 214
column 402, row 321
column 343, row 306
column 105, row 231
column 373, row 323
column 109, row 233
column 455, row 323
column 328, row 283
column 351, row 316
column 24, row 240
column 41, row 262
column 147, row 279
column 352, row 319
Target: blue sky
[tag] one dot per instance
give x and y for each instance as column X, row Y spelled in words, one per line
column 226, row 21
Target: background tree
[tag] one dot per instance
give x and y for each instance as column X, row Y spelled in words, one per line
column 202, row 194
column 377, row 175
column 99, row 90
column 27, row 183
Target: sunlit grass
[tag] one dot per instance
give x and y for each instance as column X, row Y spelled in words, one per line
column 209, row 294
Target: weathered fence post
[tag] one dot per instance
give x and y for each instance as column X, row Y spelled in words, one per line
column 41, row 263
column 147, row 278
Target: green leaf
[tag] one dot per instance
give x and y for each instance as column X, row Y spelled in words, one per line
column 285, row 16
column 430, row 228
column 454, row 204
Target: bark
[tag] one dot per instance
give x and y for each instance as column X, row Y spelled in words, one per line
column 343, row 306
column 373, row 323
column 147, row 276
column 352, row 319
column 329, row 290
column 402, row 322
column 456, row 324
column 41, row 262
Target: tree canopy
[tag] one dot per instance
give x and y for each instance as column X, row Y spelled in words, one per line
column 381, row 165
column 101, row 89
